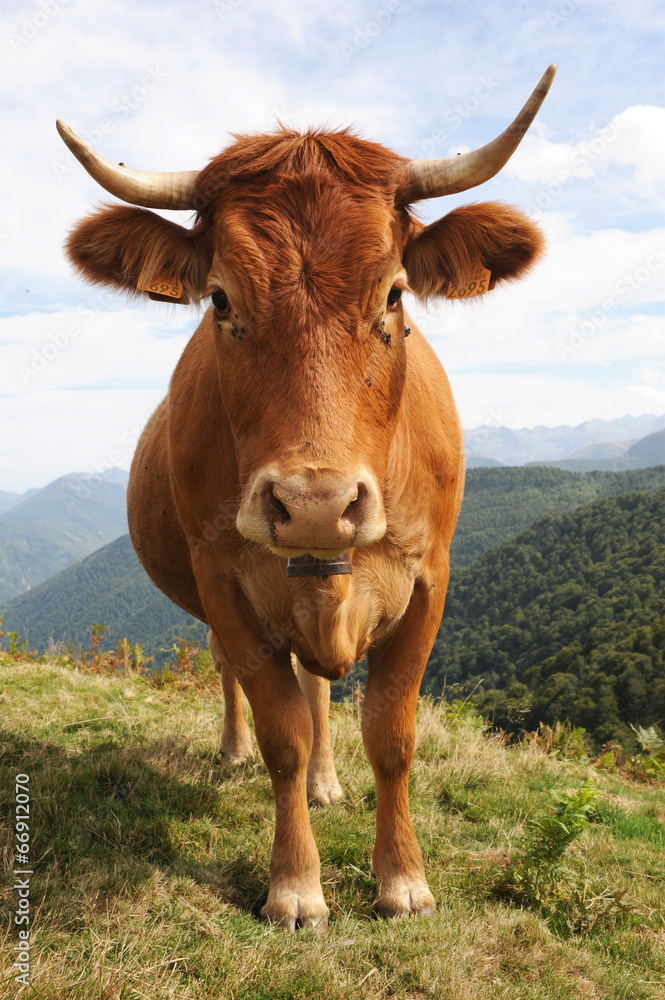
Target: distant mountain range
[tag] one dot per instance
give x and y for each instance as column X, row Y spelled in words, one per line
column 110, row 588
column 593, row 440
column 644, row 453
column 43, row 531
column 9, row 500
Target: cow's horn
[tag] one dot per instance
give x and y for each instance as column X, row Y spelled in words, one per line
column 433, row 178
column 151, row 189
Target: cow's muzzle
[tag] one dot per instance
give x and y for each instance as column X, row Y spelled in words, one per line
column 313, row 512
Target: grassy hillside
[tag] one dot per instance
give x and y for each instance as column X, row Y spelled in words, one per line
column 56, row 527
column 151, row 859
column 500, row 503
column 567, row 621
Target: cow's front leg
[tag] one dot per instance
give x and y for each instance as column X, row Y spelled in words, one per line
column 236, row 737
column 283, row 726
column 323, row 788
column 389, row 732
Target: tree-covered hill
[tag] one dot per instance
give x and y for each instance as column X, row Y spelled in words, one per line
column 567, row 621
column 650, row 450
column 499, row 503
column 9, row 500
column 109, row 588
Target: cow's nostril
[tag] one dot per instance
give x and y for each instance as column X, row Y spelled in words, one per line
column 281, row 509
column 354, row 511
column 275, row 510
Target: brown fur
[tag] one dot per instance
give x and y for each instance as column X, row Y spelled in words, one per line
column 121, row 246
column 306, row 379
column 504, row 240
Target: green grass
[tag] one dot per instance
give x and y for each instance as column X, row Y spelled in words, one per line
column 152, row 860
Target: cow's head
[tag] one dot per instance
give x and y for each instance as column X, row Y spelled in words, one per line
column 304, row 244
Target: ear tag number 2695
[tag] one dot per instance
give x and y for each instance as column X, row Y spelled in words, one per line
column 477, row 284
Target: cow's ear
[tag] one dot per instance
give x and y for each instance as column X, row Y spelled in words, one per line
column 129, row 247
column 503, row 239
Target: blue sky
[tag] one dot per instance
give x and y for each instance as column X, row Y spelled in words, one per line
column 161, row 85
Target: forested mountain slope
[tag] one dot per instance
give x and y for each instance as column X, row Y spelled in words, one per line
column 567, row 621
column 110, row 588
column 499, row 503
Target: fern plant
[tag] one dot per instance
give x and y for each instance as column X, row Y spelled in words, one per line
column 539, row 867
column 651, row 761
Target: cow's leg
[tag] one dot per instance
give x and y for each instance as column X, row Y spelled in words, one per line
column 236, row 737
column 389, row 730
column 283, row 725
column 323, row 788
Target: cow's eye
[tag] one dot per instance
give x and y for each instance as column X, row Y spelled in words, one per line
column 394, row 295
column 220, row 301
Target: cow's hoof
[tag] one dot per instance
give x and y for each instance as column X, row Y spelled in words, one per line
column 236, row 751
column 289, row 910
column 323, row 789
column 233, row 758
column 405, row 898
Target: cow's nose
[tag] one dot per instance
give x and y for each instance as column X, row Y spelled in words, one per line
column 318, row 511
column 323, row 517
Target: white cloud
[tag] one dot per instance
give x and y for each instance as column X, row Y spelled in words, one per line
column 642, row 146
column 633, row 138
column 593, row 282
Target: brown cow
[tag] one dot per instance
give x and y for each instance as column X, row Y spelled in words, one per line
column 300, row 425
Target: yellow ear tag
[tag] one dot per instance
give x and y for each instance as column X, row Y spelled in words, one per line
column 477, row 284
column 165, row 288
